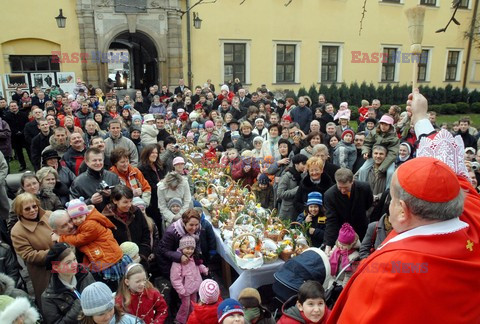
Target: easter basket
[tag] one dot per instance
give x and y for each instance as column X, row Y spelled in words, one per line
column 246, row 251
column 269, row 251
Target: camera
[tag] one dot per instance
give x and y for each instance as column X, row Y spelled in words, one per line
column 176, row 146
column 475, row 166
column 297, row 133
column 105, row 186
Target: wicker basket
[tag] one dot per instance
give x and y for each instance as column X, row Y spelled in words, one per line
column 247, row 263
column 269, row 251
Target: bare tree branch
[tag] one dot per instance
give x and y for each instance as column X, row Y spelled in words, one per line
column 364, row 10
column 243, row 1
column 456, row 4
column 288, row 3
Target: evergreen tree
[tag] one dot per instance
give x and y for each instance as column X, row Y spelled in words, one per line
column 388, row 95
column 456, row 95
column 312, row 93
column 334, row 97
column 325, row 91
column 474, row 97
column 302, row 92
column 364, row 93
column 372, row 92
column 381, row 95
column 433, row 96
column 448, row 93
column 441, row 96
column 355, row 95
column 465, row 95
column 344, row 93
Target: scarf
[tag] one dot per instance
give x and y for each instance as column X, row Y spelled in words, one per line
column 297, row 175
column 251, row 314
column 179, row 228
column 335, row 258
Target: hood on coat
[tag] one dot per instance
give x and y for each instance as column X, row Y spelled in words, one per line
column 20, row 306
column 290, row 309
column 7, row 284
column 206, row 313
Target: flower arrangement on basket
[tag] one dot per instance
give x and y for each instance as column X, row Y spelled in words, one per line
column 246, row 249
column 269, row 251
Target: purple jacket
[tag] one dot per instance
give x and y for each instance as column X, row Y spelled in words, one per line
column 5, row 139
column 186, row 279
column 166, row 252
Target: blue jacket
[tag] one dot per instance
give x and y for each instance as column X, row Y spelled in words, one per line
column 302, row 116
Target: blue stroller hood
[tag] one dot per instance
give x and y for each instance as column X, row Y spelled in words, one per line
column 312, row 264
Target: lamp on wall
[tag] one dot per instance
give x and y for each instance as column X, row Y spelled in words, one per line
column 197, row 22
column 61, row 20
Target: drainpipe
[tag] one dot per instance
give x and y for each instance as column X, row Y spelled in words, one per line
column 189, row 47
column 470, row 41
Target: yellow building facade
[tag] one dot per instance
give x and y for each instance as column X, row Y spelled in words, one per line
column 258, row 41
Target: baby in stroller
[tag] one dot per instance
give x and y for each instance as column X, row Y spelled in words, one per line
column 344, row 254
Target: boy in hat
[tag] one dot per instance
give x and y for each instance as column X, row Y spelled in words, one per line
column 230, row 311
column 131, row 249
column 307, row 307
column 264, row 191
column 314, row 214
column 254, row 312
column 206, row 310
column 174, row 205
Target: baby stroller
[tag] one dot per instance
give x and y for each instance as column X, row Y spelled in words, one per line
column 312, row 264
column 335, row 286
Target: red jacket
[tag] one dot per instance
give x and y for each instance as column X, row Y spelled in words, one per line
column 292, row 315
column 150, row 307
column 238, row 172
column 204, row 313
column 411, row 277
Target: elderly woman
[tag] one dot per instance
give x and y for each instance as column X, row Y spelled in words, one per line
column 31, row 238
column 48, row 200
column 167, row 250
column 173, row 186
column 49, row 181
column 61, row 299
column 312, row 139
column 315, row 180
column 130, row 175
column 153, row 171
column 245, row 142
column 130, row 223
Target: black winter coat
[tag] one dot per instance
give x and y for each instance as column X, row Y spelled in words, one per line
column 17, row 124
column 61, row 305
column 39, row 142
column 306, row 186
column 342, row 209
column 153, row 179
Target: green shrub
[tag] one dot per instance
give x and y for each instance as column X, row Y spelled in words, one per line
column 475, row 108
column 462, row 108
column 448, row 109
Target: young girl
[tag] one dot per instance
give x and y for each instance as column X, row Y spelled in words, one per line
column 206, row 310
column 345, row 251
column 186, row 278
column 95, row 240
column 137, row 296
column 345, row 153
column 314, row 215
column 386, row 136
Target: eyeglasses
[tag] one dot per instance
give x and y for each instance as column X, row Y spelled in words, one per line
column 30, row 208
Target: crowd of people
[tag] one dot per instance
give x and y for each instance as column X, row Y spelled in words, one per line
column 111, row 189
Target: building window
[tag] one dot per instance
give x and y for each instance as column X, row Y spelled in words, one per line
column 24, row 64
column 329, row 63
column 464, row 4
column 422, row 66
column 388, row 65
column 392, row 1
column 285, row 63
column 234, row 61
column 428, row 2
column 452, row 65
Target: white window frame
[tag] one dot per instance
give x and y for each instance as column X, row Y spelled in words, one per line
column 248, row 44
column 459, row 64
column 469, row 6
column 339, row 61
column 396, row 76
column 391, row 3
column 429, row 63
column 437, row 4
column 297, row 60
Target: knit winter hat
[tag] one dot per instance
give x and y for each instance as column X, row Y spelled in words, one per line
column 54, row 253
column 178, row 160
column 148, row 117
column 348, row 131
column 287, row 117
column 209, row 123
column 314, row 198
column 195, row 124
column 224, row 87
column 258, row 139
column 263, row 179
column 96, row 299
column 186, row 241
column 127, row 107
column 174, row 201
column 214, row 139
column 299, row 158
column 346, row 235
column 209, row 291
column 77, row 208
column 227, row 308
column 344, row 104
column 250, row 298
column 386, row 119
column 138, row 202
column 136, row 117
column 260, row 120
column 129, row 248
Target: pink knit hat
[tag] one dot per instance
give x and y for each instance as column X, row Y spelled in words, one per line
column 346, row 235
column 209, row 123
column 209, row 291
column 186, row 241
column 77, row 208
column 178, row 160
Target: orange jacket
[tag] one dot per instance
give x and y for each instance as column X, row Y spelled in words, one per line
column 95, row 239
column 134, row 179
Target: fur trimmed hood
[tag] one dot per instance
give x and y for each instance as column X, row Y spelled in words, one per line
column 7, row 284
column 20, row 306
